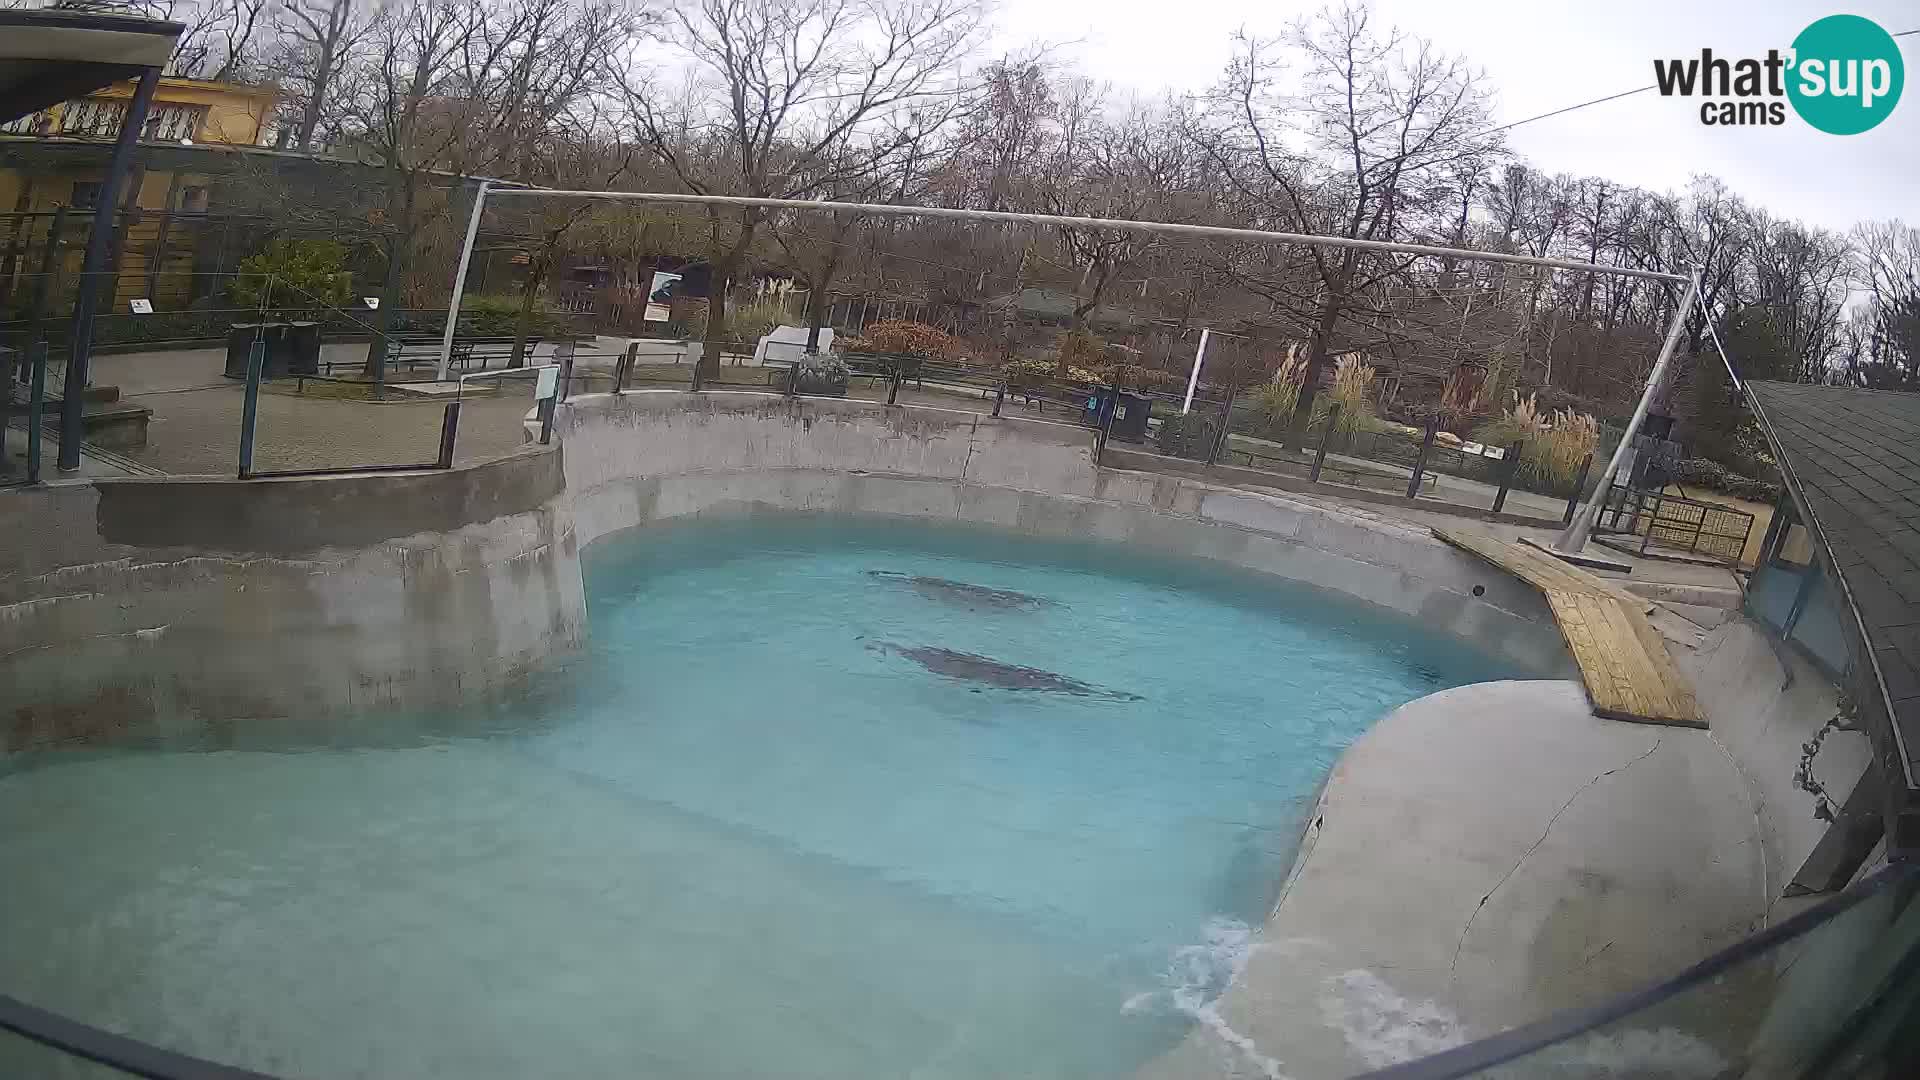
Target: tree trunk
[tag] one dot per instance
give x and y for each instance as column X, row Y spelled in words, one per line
column 398, row 247
column 816, row 316
column 322, row 75
column 536, row 272
column 724, row 268
column 1319, row 355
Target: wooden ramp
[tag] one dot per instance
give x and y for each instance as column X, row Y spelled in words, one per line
column 1623, row 660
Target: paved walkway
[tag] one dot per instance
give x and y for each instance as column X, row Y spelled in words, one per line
column 195, row 428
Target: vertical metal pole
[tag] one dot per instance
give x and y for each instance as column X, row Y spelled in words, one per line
column 460, row 280
column 1579, row 485
column 36, row 406
column 624, row 369
column 49, row 267
column 1226, row 420
column 73, row 393
column 1193, row 377
column 1320, row 456
column 1506, row 476
column 1109, row 406
column 999, row 396
column 893, row 385
column 1420, row 460
column 563, row 352
column 250, row 405
column 6, row 401
column 1575, row 536
column 449, row 431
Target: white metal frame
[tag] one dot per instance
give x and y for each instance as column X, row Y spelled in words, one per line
column 1571, row 540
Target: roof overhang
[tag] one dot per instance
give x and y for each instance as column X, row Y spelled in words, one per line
column 1888, row 715
column 50, row 56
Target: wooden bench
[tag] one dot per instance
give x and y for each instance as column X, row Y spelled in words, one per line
column 1623, row 660
column 412, row 350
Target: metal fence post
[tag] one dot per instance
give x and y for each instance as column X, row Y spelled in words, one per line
column 1326, row 437
column 7, row 380
column 449, row 431
column 624, row 369
column 249, row 406
column 1220, row 437
column 999, row 396
column 1507, row 474
column 1420, row 460
column 1109, row 405
column 1579, row 485
column 564, row 353
column 36, row 406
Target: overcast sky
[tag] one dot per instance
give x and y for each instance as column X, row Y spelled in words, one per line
column 1544, row 54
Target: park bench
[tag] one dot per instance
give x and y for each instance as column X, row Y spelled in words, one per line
column 412, row 350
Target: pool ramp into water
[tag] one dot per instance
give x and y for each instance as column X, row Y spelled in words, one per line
column 1623, row 660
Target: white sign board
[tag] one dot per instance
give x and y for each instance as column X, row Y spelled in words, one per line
column 660, row 295
column 549, row 384
column 372, row 302
column 788, row 343
column 141, row 306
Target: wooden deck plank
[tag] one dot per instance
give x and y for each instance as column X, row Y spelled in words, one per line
column 1623, row 660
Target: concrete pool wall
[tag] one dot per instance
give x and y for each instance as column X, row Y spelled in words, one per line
column 652, row 456
column 129, row 606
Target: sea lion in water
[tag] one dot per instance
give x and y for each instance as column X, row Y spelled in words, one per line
column 964, row 593
column 990, row 672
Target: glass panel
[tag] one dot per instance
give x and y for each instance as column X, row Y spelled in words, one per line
column 1770, row 595
column 1839, row 1000
column 22, row 1057
column 1796, row 546
column 1819, row 629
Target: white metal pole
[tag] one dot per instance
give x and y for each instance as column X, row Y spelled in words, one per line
column 460, row 280
column 1575, row 536
column 1193, row 379
column 1116, row 224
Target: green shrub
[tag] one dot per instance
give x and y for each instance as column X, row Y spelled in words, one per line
column 499, row 316
column 294, row 279
column 1189, row 436
column 749, row 323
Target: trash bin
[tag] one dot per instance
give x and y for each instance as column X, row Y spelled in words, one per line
column 302, row 348
column 240, row 339
column 1130, row 413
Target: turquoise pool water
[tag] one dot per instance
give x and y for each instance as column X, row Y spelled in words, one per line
column 823, row 798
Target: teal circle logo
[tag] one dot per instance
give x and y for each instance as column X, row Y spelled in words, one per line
column 1847, row 74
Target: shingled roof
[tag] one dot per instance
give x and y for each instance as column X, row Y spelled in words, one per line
column 1851, row 459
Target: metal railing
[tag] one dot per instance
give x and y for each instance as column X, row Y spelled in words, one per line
column 1673, row 524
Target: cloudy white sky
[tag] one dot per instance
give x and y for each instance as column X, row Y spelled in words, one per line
column 1544, row 54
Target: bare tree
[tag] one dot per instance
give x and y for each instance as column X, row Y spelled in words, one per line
column 806, row 94
column 317, row 39
column 1887, row 268
column 1364, row 152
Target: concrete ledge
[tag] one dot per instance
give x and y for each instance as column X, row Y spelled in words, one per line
column 135, row 609
column 298, row 515
column 1446, row 892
